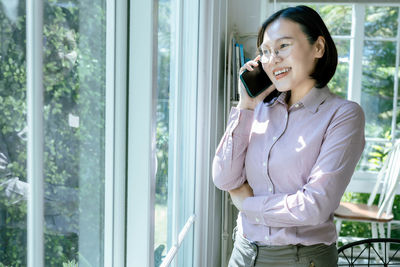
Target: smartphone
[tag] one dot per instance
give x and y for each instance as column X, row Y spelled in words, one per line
column 255, row 81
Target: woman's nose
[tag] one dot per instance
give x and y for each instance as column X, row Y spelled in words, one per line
column 275, row 57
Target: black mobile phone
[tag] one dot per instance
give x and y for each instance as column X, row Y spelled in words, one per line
column 255, row 81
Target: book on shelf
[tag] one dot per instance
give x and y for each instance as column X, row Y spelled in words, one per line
column 238, row 60
column 241, row 54
column 234, row 70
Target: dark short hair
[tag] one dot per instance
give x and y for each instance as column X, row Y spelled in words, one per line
column 313, row 26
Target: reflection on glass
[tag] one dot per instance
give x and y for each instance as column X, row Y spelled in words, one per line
column 338, row 18
column 339, row 82
column 162, row 136
column 74, row 84
column 377, row 86
column 381, row 21
column 13, row 182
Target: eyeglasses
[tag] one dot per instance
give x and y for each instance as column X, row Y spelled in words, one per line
column 282, row 50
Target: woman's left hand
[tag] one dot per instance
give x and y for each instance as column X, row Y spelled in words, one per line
column 239, row 194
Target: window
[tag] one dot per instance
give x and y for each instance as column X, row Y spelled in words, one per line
column 74, row 131
column 124, row 140
column 171, row 126
column 74, row 110
column 13, row 180
column 176, row 132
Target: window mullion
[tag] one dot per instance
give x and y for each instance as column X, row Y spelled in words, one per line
column 141, row 133
column 356, row 53
column 109, row 136
column 115, row 156
column 34, row 65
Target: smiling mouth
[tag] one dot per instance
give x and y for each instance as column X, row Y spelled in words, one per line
column 281, row 73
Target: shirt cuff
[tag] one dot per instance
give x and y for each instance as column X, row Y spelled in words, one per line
column 252, row 208
column 243, row 119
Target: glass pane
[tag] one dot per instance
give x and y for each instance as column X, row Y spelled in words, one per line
column 339, row 82
column 397, row 132
column 373, row 155
column 74, row 82
column 338, row 18
column 162, row 138
column 377, row 86
column 381, row 21
column 13, row 180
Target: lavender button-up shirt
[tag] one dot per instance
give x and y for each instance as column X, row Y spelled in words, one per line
column 297, row 160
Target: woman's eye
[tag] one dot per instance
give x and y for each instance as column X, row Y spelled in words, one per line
column 283, row 46
column 266, row 52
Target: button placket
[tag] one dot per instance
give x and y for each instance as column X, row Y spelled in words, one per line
column 275, row 138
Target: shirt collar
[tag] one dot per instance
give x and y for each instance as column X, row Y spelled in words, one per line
column 315, row 98
column 280, row 99
column 311, row 101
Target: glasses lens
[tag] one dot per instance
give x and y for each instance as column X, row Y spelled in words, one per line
column 264, row 58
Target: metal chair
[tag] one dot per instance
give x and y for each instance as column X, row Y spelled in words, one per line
column 381, row 214
column 363, row 253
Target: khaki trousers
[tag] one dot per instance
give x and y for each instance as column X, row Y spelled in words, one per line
column 248, row 254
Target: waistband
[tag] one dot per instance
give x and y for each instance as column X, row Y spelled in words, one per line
column 282, row 253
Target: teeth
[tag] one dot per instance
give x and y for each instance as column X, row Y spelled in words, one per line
column 276, row 73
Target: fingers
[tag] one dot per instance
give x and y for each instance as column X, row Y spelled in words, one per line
column 249, row 65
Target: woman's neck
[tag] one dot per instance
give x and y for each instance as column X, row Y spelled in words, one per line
column 298, row 93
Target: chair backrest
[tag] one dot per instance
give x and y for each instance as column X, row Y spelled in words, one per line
column 387, row 181
column 364, row 253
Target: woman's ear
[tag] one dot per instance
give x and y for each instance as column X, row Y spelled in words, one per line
column 319, row 47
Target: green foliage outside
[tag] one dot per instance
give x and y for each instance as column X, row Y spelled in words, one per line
column 162, row 134
column 74, row 84
column 162, row 137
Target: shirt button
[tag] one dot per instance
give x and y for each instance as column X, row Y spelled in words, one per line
column 266, row 238
column 296, row 106
column 270, row 189
column 264, row 164
column 274, row 138
column 257, row 220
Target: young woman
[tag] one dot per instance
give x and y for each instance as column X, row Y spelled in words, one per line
column 287, row 162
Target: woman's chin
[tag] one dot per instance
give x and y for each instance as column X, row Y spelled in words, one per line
column 282, row 89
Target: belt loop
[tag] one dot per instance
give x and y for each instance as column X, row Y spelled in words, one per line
column 297, row 252
column 256, row 250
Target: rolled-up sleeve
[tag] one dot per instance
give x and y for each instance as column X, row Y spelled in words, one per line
column 228, row 165
column 316, row 201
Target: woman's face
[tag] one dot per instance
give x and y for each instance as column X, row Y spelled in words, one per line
column 288, row 57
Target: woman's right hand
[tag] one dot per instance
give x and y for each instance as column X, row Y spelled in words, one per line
column 245, row 101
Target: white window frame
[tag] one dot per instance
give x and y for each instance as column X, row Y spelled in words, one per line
column 115, row 132
column 35, row 149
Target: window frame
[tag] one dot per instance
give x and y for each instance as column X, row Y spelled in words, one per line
column 35, row 144
column 115, row 133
